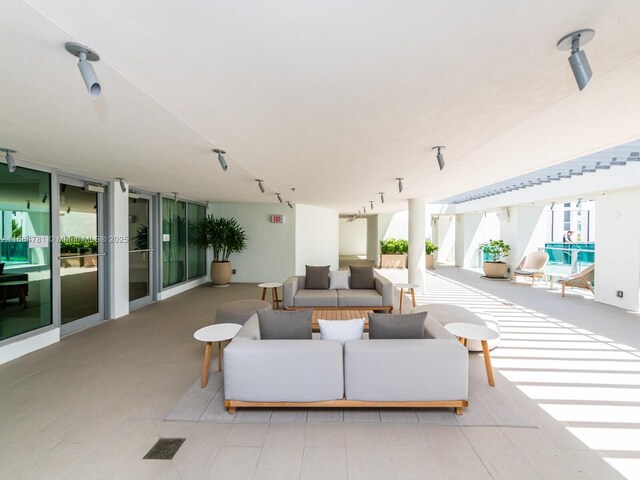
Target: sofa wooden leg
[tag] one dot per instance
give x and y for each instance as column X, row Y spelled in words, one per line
column 232, row 410
column 458, row 410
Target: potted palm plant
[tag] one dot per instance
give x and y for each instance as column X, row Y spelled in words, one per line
column 224, row 236
column 429, row 248
column 497, row 250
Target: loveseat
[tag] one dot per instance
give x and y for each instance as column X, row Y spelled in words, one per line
column 379, row 297
column 428, row 372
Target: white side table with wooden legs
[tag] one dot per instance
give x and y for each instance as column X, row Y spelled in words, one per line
column 471, row 331
column 220, row 332
column 411, row 288
column 275, row 301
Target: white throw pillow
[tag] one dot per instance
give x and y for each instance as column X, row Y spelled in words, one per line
column 342, row 330
column 339, row 279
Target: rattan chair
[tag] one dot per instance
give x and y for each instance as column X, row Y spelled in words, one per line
column 581, row 279
column 532, row 266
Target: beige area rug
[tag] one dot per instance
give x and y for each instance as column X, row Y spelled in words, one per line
column 488, row 406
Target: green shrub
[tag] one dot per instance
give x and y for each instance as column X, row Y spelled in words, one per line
column 430, row 247
column 393, row 246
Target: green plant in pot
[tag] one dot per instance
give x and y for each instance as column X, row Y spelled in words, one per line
column 497, row 250
column 393, row 253
column 223, row 236
column 429, row 249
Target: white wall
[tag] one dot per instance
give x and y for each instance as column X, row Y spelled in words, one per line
column 373, row 239
column 446, row 231
column 353, row 236
column 617, row 253
column 270, row 252
column 317, row 237
column 395, row 225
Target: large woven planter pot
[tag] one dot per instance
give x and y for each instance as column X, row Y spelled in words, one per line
column 393, row 261
column 220, row 274
column 495, row 269
column 428, row 261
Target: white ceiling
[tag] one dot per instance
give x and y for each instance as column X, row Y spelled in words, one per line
column 334, row 98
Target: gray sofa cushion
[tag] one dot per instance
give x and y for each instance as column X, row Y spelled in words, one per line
column 362, row 277
column 283, row 370
column 276, row 325
column 315, row 298
column 383, row 326
column 405, row 370
column 317, row 277
column 359, row 298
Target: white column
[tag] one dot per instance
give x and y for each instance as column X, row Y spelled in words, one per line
column 468, row 236
column 118, row 250
column 524, row 229
column 617, row 262
column 373, row 243
column 416, row 242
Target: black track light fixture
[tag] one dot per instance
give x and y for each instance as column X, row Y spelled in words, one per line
column 260, row 185
column 382, row 197
column 223, row 162
column 399, row 184
column 279, row 197
column 439, row 155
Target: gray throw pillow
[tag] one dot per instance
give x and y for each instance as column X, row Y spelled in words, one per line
column 317, row 277
column 362, row 277
column 276, row 325
column 383, row 326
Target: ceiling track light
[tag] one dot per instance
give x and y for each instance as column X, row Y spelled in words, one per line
column 289, row 203
column 86, row 55
column 68, row 210
column 439, row 156
column 175, row 197
column 578, row 59
column 382, row 197
column 260, row 185
column 28, row 204
column 11, row 162
column 400, row 184
column 579, row 203
column 371, row 203
column 279, row 197
column 553, row 204
column 123, row 185
column 223, row 162
column 44, row 197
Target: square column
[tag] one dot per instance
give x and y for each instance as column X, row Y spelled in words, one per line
column 118, row 251
column 469, row 234
column 617, row 260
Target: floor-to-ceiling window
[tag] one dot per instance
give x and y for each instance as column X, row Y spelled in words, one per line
column 25, row 251
column 197, row 254
column 182, row 260
column 140, row 251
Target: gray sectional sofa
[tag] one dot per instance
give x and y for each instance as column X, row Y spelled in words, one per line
column 378, row 298
column 429, row 372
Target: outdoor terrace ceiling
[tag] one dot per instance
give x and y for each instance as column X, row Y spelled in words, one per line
column 604, row 160
column 336, row 99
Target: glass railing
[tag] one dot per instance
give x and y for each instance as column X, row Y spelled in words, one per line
column 569, row 258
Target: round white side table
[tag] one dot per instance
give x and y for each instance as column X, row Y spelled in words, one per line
column 471, row 331
column 219, row 332
column 274, row 292
column 411, row 288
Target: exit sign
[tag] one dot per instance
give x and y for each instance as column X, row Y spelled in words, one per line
column 277, row 218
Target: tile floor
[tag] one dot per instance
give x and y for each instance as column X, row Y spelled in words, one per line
column 92, row 405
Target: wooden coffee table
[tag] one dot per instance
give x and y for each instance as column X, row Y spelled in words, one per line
column 339, row 314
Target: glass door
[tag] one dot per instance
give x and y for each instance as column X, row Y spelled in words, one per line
column 140, row 251
column 81, row 256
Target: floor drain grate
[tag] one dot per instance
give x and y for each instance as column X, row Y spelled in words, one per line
column 164, row 449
